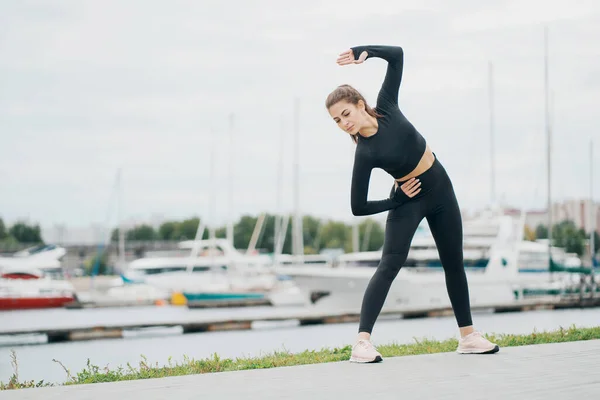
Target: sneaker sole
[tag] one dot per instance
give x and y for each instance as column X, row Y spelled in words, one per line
column 492, row 351
column 363, row 361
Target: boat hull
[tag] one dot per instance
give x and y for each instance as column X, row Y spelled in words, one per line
column 28, row 303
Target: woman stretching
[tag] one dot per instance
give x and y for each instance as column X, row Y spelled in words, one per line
column 422, row 189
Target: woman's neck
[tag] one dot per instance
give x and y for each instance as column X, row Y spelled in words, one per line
column 370, row 128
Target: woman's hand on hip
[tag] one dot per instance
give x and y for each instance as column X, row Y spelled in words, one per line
column 411, row 187
column 347, row 58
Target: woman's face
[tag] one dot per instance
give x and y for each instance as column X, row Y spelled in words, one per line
column 347, row 116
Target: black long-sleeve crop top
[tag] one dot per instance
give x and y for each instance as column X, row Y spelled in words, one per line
column 396, row 147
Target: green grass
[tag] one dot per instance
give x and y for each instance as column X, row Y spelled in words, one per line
column 145, row 370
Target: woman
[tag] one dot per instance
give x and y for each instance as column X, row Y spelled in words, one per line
column 422, row 189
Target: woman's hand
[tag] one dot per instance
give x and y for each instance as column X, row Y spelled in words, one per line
column 347, row 58
column 411, row 187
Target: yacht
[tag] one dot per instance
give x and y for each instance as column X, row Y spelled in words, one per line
column 46, row 259
column 219, row 272
column 497, row 262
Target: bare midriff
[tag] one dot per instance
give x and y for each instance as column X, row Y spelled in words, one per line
column 424, row 164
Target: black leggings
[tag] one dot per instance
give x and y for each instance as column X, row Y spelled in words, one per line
column 437, row 202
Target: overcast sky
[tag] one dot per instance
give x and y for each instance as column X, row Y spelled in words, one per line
column 87, row 87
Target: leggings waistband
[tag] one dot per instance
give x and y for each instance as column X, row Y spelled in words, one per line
column 432, row 179
column 431, row 173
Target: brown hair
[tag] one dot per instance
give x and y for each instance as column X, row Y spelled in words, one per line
column 349, row 94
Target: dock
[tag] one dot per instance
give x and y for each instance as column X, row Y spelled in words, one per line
column 78, row 326
column 555, row 371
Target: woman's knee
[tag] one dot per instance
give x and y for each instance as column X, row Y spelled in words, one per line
column 390, row 265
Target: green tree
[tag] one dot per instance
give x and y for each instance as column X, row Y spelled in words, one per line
column 311, row 236
column 24, row 233
column 221, row 232
column 142, row 232
column 167, row 230
column 317, row 234
column 242, row 231
column 244, row 228
column 566, row 235
column 186, row 229
column 337, row 235
column 376, row 235
column 3, row 233
column 114, row 236
column 541, row 232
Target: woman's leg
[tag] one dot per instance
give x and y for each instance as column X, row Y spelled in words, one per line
column 445, row 223
column 401, row 224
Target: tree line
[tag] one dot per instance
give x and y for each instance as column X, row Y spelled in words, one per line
column 318, row 234
column 565, row 235
column 20, row 232
column 326, row 234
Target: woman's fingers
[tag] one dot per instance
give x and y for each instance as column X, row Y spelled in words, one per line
column 411, row 187
column 345, row 58
column 410, row 183
column 415, row 193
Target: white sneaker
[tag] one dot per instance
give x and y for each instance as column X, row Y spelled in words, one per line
column 475, row 343
column 364, row 352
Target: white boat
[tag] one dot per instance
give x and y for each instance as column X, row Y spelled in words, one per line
column 493, row 246
column 45, row 258
column 218, row 270
column 177, row 271
column 31, row 289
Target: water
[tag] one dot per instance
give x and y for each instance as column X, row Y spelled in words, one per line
column 35, row 359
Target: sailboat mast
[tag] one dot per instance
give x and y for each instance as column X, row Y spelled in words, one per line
column 355, row 236
column 592, row 207
column 212, row 194
column 279, row 212
column 297, row 239
column 548, row 141
column 491, row 105
column 120, row 220
column 229, row 232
